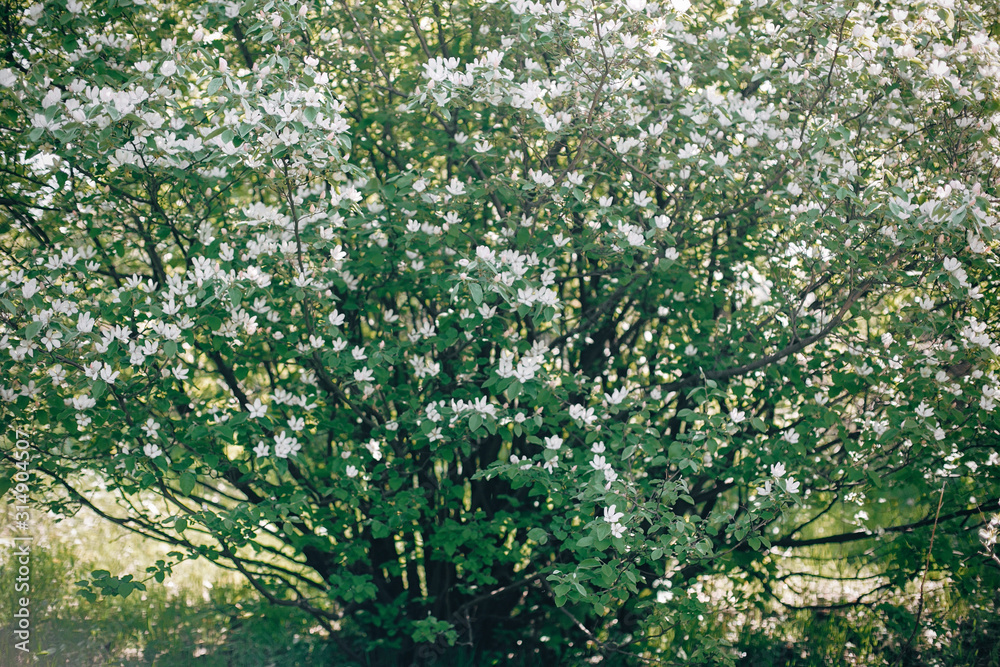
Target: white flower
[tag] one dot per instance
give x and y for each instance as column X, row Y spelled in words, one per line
column 262, row 449
column 85, row 323
column 455, row 187
column 765, row 490
column 553, row 442
column 51, row 98
column 109, row 374
column 737, row 416
column 688, row 151
column 617, row 396
column 923, row 410
column 482, row 406
column 150, row 428
column 336, row 318
column 938, row 69
column 83, row 402
column 58, row 375
column 976, row 243
column 29, row 288
column 363, row 375
column 778, row 470
column 611, row 516
column 790, row 436
column 635, row 5
column 151, row 450
column 791, row 485
column 541, row 178
column 92, row 370
column 52, row 339
column 256, row 410
column 169, row 68
column 352, row 471
column 7, row 77
column 285, row 446
column 180, row 372
column 486, row 254
column 586, row 415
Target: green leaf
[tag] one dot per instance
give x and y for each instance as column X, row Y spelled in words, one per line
column 603, row 530
column 513, row 390
column 477, row 293
column 538, row 535
column 187, row 482
column 379, row 530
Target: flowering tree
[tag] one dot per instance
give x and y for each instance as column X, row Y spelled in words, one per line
column 473, row 322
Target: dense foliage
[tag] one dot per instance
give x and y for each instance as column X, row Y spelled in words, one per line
column 515, row 327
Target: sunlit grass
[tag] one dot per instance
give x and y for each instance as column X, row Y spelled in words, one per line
column 201, row 614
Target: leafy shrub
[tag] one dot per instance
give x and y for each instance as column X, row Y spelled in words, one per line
column 540, row 331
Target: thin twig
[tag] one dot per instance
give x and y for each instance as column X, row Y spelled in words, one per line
column 923, row 579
